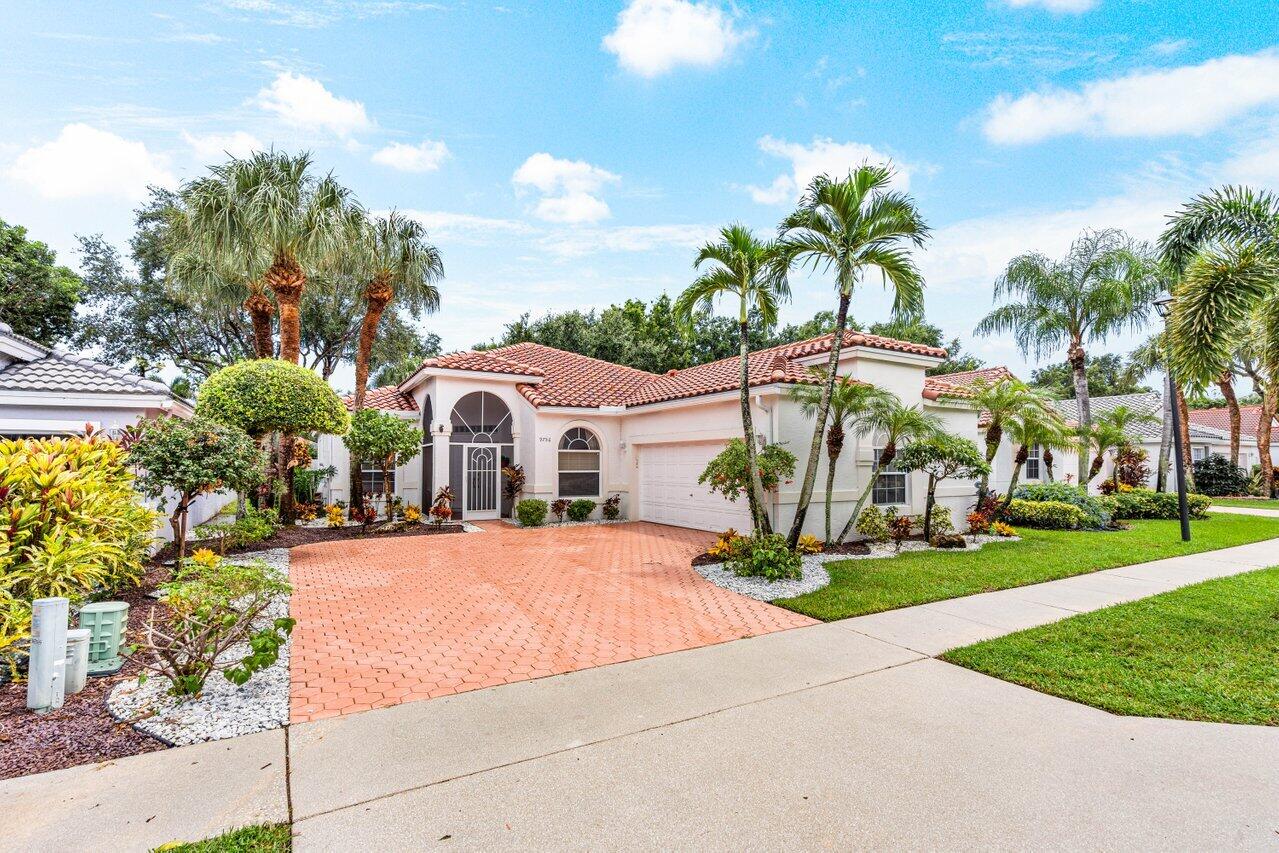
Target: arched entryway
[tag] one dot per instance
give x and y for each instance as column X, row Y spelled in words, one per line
column 481, row 444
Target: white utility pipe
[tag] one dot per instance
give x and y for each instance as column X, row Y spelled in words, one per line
column 46, row 674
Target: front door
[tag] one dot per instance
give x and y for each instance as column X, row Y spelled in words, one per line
column 481, row 484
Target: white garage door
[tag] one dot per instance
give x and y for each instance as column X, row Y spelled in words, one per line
column 670, row 494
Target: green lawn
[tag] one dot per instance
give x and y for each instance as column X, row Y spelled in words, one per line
column 869, row 586
column 1204, row 652
column 1255, row 503
column 267, row 838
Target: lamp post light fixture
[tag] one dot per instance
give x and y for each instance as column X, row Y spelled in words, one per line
column 1163, row 305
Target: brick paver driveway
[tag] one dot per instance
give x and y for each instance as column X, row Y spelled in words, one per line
column 384, row 621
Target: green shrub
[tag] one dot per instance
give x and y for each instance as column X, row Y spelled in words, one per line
column 1147, row 503
column 872, row 525
column 531, row 512
column 267, row 395
column 213, row 606
column 1046, row 515
column 74, row 526
column 765, row 556
column 1217, row 475
column 726, row 474
column 581, row 509
column 943, row 521
column 1096, row 516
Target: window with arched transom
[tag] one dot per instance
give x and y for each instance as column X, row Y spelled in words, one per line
column 579, row 464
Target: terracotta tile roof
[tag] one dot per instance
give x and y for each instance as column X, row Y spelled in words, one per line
column 576, row 380
column 960, row 384
column 488, row 361
column 388, row 398
column 1219, row 419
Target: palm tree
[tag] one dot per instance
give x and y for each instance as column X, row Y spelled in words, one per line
column 1102, row 286
column 1113, row 430
column 1226, row 243
column 1034, row 423
column 851, row 226
column 895, row 425
column 399, row 264
column 849, row 402
column 270, row 207
column 1149, row 357
column 741, row 265
column 1002, row 399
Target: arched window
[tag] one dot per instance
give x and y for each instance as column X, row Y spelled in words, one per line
column 579, row 464
column 481, row 418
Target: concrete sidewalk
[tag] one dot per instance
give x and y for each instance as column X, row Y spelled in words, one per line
column 1245, row 510
column 841, row 734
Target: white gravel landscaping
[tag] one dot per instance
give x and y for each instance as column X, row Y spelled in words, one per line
column 815, row 575
column 551, row 522
column 223, row 710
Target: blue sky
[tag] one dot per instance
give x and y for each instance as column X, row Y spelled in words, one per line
column 574, row 154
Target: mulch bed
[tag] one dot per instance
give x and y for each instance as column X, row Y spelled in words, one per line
column 82, row 730
column 292, row 537
column 854, row 548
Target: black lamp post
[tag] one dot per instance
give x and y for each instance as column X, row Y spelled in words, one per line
column 1164, row 305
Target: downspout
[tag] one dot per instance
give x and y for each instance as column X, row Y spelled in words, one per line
column 771, row 412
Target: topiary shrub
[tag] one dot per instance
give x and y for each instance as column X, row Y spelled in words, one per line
column 1217, row 475
column 581, row 509
column 1046, row 515
column 872, row 525
column 766, row 556
column 1096, row 516
column 74, row 525
column 531, row 512
column 268, row 395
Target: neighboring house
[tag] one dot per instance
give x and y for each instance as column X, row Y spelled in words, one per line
column 581, row 427
column 48, row 391
column 1218, row 421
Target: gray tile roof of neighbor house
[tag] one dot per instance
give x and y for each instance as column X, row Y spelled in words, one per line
column 1148, row 403
column 61, row 372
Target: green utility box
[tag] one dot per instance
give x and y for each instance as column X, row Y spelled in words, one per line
column 105, row 621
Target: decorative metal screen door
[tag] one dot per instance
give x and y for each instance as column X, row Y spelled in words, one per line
column 481, row 498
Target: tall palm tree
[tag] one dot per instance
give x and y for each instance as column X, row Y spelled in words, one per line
column 1226, row 243
column 270, row 206
column 895, row 425
column 399, row 265
column 741, row 265
column 1034, row 423
column 1002, row 399
column 852, row 226
column 1104, row 285
column 849, row 402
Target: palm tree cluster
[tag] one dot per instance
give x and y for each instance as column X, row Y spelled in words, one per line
column 846, row 227
column 260, row 230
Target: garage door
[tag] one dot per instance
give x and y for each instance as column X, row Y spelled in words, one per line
column 670, row 494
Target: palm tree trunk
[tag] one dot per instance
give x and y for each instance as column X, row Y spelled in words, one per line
column 1269, row 403
column 260, row 310
column 886, row 458
column 287, row 281
column 1019, row 461
column 1165, row 438
column 1048, row 465
column 1226, row 383
column 377, row 296
column 1078, row 369
column 928, row 508
column 754, row 486
column 994, row 435
column 1187, row 458
column 823, row 409
column 834, row 446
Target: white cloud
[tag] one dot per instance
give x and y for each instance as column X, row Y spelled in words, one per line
column 1060, row 6
column 426, row 156
column 655, row 36
column 820, row 157
column 216, row 146
column 303, row 101
column 576, row 242
column 85, row 161
column 569, row 188
column 1191, row 99
column 444, row 225
column 1255, row 162
column 1168, row 47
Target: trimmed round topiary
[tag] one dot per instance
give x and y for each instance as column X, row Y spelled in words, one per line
column 581, row 509
column 270, row 395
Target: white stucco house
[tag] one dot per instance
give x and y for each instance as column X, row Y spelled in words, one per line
column 581, row 427
column 49, row 391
